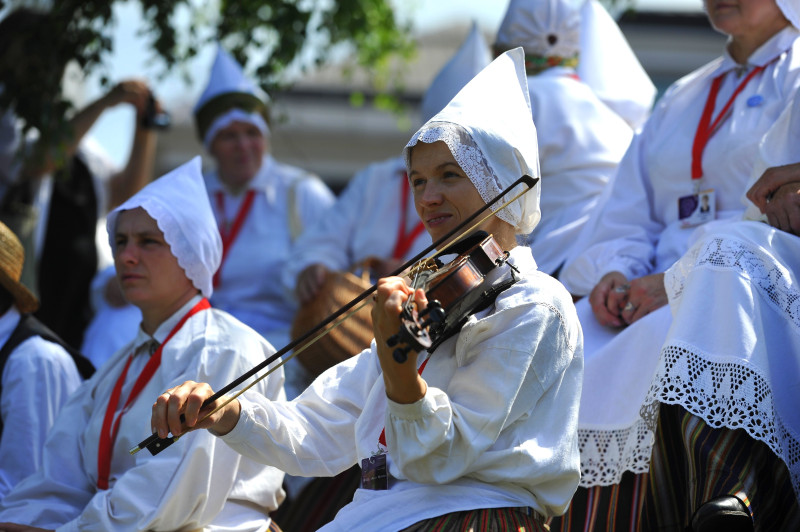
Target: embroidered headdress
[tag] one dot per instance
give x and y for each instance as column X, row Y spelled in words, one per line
column 582, row 35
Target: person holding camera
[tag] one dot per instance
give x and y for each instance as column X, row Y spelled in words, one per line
column 60, row 192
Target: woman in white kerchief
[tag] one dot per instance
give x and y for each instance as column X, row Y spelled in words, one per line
column 373, row 220
column 691, row 143
column 261, row 205
column 481, row 435
column 166, row 250
column 728, row 376
column 581, row 138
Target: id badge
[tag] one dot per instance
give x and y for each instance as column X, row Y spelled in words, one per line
column 374, row 474
column 697, row 209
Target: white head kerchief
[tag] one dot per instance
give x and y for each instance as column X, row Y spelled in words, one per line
column 228, row 118
column 565, row 28
column 179, row 204
column 489, row 131
column 227, row 77
column 472, row 56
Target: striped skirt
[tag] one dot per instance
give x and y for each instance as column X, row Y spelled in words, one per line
column 605, row 508
column 693, row 463
column 319, row 502
column 483, row 520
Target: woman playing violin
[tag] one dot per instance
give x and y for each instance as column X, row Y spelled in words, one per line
column 480, row 434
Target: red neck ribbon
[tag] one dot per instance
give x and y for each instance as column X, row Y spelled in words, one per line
column 405, row 239
column 229, row 233
column 108, row 434
column 706, row 128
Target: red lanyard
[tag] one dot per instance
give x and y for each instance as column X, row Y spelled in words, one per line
column 382, row 437
column 405, row 239
column 108, row 434
column 706, row 128
column 229, row 234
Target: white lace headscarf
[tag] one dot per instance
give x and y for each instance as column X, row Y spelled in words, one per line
column 583, row 28
column 489, row 130
column 179, row 204
column 471, row 57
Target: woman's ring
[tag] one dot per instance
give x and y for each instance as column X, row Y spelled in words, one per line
column 628, row 307
column 623, row 288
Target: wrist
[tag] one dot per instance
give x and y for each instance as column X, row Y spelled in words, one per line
column 228, row 420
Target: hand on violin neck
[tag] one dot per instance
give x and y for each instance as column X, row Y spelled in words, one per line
column 403, row 383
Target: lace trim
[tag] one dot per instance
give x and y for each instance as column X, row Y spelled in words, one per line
column 468, row 156
column 180, row 247
column 723, row 394
column 766, row 275
column 607, row 454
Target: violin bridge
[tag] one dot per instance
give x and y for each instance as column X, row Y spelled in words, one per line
column 423, row 267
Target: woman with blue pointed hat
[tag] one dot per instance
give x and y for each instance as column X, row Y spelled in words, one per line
column 261, row 205
column 581, row 138
column 166, row 249
column 480, row 433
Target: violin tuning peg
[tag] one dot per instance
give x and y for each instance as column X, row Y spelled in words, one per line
column 400, row 354
column 393, row 340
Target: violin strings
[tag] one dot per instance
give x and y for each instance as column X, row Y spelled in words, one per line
column 410, row 300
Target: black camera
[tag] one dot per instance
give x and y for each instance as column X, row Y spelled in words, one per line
column 154, row 119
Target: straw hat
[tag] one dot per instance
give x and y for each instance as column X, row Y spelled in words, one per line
column 12, row 256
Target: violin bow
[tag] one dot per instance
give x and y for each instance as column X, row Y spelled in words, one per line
column 155, row 445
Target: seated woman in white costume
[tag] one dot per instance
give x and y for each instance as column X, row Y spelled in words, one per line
column 703, row 135
column 480, row 433
column 728, row 426
column 261, row 205
column 166, row 250
column 581, row 139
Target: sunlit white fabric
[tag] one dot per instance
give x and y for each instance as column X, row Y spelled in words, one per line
column 38, row 378
column 521, row 357
column 250, row 278
column 198, row 483
column 637, row 232
column 470, row 58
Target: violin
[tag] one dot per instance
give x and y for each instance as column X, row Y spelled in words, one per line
column 454, row 291
column 417, row 339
